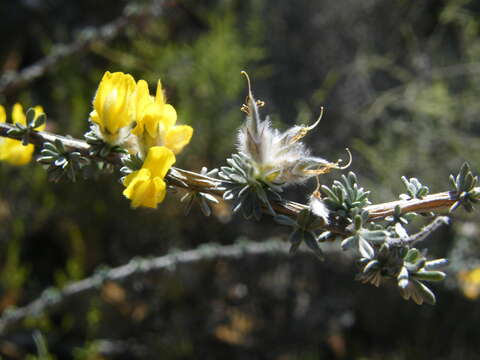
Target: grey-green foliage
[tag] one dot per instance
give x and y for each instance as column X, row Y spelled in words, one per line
column 100, row 148
column 61, row 162
column 247, row 191
column 32, row 123
column 415, row 189
column 408, row 266
column 464, row 187
column 304, row 227
column 385, row 249
column 345, row 195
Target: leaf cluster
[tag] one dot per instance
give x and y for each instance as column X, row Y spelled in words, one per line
column 245, row 190
column 464, row 187
column 61, row 162
column 25, row 132
column 346, row 195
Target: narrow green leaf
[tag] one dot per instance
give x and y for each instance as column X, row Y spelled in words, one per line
column 429, row 275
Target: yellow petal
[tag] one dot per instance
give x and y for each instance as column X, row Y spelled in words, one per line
column 144, row 190
column 144, row 195
column 169, row 116
column 131, row 179
column 160, row 96
column 18, row 116
column 112, row 102
column 160, row 189
column 149, row 193
column 3, row 115
column 141, row 102
column 146, row 186
column 159, row 159
column 177, row 137
column 15, row 153
column 151, row 119
column 135, row 186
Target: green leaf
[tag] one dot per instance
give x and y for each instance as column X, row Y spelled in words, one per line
column 30, row 117
column 372, row 265
column 311, row 241
column 427, row 295
column 365, row 249
column 375, row 236
column 284, row 220
column 429, row 275
column 349, row 242
column 403, row 278
column 303, row 218
column 436, row 264
column 295, row 238
column 412, row 255
column 358, row 221
column 39, row 121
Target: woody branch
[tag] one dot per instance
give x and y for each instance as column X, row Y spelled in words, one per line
column 195, row 181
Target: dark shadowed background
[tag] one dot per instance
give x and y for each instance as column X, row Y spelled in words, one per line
column 400, row 82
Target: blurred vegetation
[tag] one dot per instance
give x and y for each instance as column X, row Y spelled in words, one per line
column 400, row 81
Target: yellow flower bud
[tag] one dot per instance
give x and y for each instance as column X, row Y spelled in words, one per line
column 112, row 106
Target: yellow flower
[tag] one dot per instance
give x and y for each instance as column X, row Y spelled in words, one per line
column 146, row 187
column 155, row 121
column 13, row 151
column 470, row 283
column 112, row 108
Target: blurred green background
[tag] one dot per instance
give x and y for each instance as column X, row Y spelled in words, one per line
column 400, row 82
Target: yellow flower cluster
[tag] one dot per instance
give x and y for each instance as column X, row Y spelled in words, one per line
column 124, row 113
column 13, row 151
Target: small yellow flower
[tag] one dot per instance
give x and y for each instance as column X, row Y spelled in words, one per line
column 13, row 151
column 155, row 121
column 470, row 283
column 112, row 108
column 146, row 187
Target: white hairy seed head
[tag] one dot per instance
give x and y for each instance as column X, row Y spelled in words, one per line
column 278, row 158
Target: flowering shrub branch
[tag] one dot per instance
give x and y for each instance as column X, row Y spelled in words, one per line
column 138, row 133
column 190, row 180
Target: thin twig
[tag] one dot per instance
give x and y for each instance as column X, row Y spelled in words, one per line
column 12, row 80
column 53, row 298
column 422, row 234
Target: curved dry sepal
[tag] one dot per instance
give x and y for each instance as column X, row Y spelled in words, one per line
column 278, row 157
column 202, row 199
